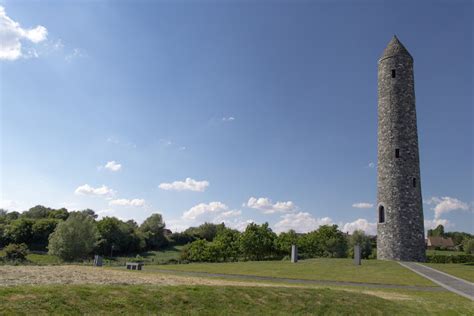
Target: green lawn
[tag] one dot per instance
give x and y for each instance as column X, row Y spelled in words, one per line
column 206, row 300
column 371, row 271
column 461, row 270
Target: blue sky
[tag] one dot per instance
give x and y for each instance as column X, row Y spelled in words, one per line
column 269, row 109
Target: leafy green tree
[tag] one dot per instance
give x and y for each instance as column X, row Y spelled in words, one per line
column 437, row 232
column 226, row 245
column 207, row 231
column 16, row 252
column 117, row 236
column 197, row 251
column 89, row 212
column 20, row 231
column 359, row 237
column 285, row 241
column 182, row 238
column 61, row 214
column 41, row 230
column 74, row 238
column 37, row 212
column 257, row 242
column 469, row 246
column 153, row 229
column 326, row 241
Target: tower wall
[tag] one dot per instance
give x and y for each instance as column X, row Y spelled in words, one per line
column 401, row 235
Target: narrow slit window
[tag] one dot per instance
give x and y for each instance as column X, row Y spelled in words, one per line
column 393, row 73
column 381, row 214
column 397, row 153
column 414, row 182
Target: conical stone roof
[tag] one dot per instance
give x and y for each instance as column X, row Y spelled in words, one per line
column 394, row 48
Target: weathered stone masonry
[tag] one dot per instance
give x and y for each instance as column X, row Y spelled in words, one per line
column 400, row 228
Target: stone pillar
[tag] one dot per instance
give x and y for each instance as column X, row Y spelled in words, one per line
column 357, row 260
column 97, row 261
column 294, row 254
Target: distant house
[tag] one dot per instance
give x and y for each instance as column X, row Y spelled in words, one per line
column 439, row 242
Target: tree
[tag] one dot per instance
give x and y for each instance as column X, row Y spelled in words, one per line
column 118, row 236
column 437, row 232
column 359, row 237
column 469, row 246
column 20, row 231
column 326, row 241
column 36, row 212
column 197, row 251
column 41, row 229
column 74, row 238
column 153, row 229
column 16, row 252
column 207, row 231
column 258, row 242
column 90, row 213
column 61, row 214
column 226, row 245
column 285, row 240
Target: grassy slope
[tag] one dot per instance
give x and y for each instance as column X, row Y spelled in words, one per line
column 89, row 299
column 371, row 271
column 463, row 271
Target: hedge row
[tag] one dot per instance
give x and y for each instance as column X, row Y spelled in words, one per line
column 450, row 258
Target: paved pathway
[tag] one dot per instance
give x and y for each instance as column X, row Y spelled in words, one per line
column 288, row 280
column 451, row 283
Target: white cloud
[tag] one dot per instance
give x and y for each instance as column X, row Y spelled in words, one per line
column 267, row 207
column 363, row 205
column 360, row 224
column 371, row 165
column 301, row 222
column 433, row 223
column 205, row 209
column 9, row 205
column 88, row 190
column 12, row 35
column 228, row 119
column 113, row 166
column 76, row 53
column 187, row 185
column 127, row 202
column 446, row 204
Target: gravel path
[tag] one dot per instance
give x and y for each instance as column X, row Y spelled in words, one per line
column 451, row 283
column 300, row 281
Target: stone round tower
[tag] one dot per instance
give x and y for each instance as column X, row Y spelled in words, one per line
column 400, row 228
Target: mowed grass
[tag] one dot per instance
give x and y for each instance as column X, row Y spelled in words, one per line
column 197, row 300
column 371, row 271
column 461, row 270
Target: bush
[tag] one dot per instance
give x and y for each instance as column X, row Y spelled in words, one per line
column 449, row 259
column 16, row 252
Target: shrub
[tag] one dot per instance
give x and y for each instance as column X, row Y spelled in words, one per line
column 436, row 258
column 16, row 252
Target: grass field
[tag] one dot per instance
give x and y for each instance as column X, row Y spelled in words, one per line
column 461, row 270
column 207, row 300
column 371, row 271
